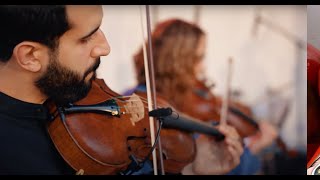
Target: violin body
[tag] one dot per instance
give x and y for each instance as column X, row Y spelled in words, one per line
column 104, row 143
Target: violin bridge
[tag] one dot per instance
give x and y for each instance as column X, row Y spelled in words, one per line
column 135, row 108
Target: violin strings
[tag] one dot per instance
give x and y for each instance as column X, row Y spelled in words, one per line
column 141, row 98
column 133, row 112
column 124, row 99
column 146, row 107
column 122, row 107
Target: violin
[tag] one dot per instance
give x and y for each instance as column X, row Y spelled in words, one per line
column 239, row 116
column 207, row 106
column 105, row 133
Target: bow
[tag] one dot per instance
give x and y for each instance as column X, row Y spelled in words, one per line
column 151, row 90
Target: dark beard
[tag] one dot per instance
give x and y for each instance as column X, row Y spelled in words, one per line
column 63, row 85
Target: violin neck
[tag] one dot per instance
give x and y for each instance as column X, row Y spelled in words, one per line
column 244, row 116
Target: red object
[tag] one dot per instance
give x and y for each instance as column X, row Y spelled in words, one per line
column 313, row 65
column 313, row 104
column 314, row 150
column 313, row 73
column 313, row 53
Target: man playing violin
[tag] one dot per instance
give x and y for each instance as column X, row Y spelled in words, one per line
column 53, row 52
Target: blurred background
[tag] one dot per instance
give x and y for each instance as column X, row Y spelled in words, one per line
column 268, row 47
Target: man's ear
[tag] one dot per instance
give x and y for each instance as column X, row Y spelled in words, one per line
column 31, row 55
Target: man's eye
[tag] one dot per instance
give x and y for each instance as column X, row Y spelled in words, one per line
column 86, row 40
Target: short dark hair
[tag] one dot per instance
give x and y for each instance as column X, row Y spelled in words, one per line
column 38, row 23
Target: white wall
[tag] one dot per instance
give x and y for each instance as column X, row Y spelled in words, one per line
column 264, row 59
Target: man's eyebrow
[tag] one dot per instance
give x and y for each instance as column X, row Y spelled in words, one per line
column 90, row 33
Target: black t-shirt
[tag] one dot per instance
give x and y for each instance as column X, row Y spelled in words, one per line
column 26, row 147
